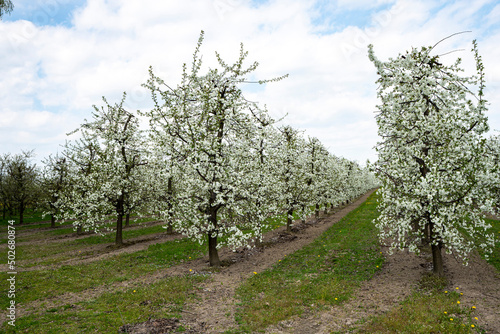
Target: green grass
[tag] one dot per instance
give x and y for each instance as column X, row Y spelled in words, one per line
column 50, row 251
column 30, row 216
column 44, row 229
column 41, row 284
column 431, row 309
column 109, row 311
column 322, row 273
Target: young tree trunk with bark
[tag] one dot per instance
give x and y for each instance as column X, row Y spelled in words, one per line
column 437, row 260
column 289, row 220
column 119, row 230
column 213, row 253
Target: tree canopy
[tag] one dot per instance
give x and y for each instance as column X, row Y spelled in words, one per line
column 430, row 156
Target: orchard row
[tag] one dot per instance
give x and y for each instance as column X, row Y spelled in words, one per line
column 439, row 172
column 212, row 164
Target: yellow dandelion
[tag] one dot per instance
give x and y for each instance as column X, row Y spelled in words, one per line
column 456, row 288
column 190, row 257
column 279, row 260
column 255, row 272
column 472, row 326
column 461, row 294
column 476, row 318
column 134, row 290
column 335, row 298
column 377, row 266
column 318, row 255
column 458, row 301
column 190, row 269
column 473, row 307
column 446, row 292
column 451, row 319
column 445, row 312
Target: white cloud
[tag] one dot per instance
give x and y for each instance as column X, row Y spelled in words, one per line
column 52, row 75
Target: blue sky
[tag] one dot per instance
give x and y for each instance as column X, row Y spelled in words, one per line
column 45, row 13
column 59, row 57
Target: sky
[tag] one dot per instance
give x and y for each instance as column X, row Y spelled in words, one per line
column 58, row 58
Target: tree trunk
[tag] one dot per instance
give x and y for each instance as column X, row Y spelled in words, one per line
column 213, row 253
column 316, row 214
column 52, row 221
column 289, row 220
column 119, row 230
column 127, row 220
column 120, row 212
column 326, row 208
column 170, row 228
column 437, row 260
column 79, row 229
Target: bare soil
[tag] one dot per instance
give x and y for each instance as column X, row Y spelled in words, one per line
column 215, row 306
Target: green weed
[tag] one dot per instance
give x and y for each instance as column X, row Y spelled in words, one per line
column 322, row 273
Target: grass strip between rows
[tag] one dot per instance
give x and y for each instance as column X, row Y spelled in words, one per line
column 110, row 311
column 54, row 252
column 43, row 284
column 323, row 273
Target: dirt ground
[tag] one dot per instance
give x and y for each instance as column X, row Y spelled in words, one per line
column 214, row 309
